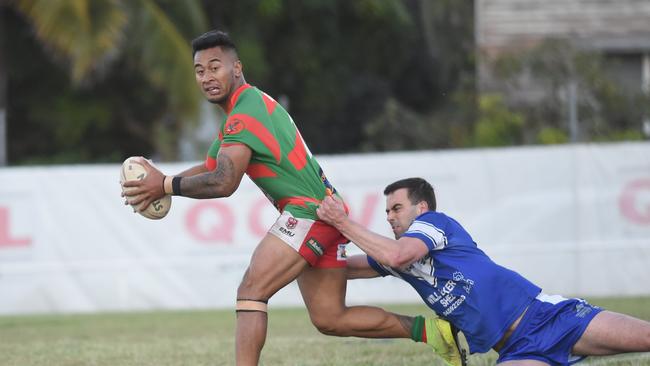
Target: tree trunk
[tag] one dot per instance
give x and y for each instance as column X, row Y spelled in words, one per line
column 3, row 90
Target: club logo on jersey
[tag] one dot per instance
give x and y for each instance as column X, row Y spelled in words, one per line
column 291, row 223
column 315, row 247
column 234, row 126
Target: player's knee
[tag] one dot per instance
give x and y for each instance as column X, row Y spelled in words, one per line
column 250, row 289
column 330, row 325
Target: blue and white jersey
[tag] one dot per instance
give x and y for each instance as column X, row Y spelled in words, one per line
column 461, row 283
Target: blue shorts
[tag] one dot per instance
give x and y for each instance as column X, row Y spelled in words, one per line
column 548, row 331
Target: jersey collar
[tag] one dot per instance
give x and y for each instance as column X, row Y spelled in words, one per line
column 235, row 96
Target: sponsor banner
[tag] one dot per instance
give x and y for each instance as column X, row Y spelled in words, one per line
column 575, row 219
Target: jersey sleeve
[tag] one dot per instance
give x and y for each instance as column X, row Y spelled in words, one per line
column 377, row 267
column 236, row 130
column 428, row 228
column 211, row 156
column 250, row 124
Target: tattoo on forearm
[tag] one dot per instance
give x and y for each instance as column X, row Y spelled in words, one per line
column 218, row 183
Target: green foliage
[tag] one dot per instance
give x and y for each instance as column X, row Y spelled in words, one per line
column 162, row 51
column 341, row 65
column 535, row 83
column 621, row 135
column 115, row 77
column 85, row 33
column 497, row 125
column 103, row 52
column 552, row 135
column 396, row 128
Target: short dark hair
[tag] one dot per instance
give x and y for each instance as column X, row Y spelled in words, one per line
column 213, row 38
column 418, row 190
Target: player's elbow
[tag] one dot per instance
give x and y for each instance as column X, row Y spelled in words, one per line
column 399, row 259
column 393, row 259
column 226, row 192
column 226, row 188
column 353, row 274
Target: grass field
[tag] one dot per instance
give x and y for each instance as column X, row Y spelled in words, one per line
column 207, row 338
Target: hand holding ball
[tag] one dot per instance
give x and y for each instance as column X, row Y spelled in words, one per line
column 133, row 170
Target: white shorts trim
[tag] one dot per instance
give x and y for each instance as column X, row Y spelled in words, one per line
column 291, row 230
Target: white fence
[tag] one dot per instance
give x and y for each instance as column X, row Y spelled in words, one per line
column 574, row 219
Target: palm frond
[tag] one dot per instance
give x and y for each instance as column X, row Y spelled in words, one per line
column 85, row 33
column 164, row 53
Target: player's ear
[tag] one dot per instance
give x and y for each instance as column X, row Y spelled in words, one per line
column 238, row 68
column 422, row 207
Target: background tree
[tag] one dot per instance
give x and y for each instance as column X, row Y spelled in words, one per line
column 99, row 80
column 353, row 71
column 535, row 83
column 99, row 62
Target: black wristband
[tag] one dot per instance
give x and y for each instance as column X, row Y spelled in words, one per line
column 176, row 186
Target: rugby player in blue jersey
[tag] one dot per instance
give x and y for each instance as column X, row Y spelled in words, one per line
column 496, row 308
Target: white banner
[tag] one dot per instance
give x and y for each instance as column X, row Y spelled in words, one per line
column 574, row 219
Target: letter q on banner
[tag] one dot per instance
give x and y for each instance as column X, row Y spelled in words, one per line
column 634, row 202
column 210, row 221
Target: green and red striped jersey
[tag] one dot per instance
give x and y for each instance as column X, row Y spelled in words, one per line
column 281, row 164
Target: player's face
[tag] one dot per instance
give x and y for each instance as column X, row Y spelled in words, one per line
column 217, row 72
column 400, row 212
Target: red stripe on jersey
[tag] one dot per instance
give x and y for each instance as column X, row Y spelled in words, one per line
column 210, row 163
column 261, row 132
column 235, row 95
column 297, row 201
column 259, row 170
column 298, row 156
column 220, row 135
column 269, row 102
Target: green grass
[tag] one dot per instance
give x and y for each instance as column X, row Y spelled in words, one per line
column 207, row 338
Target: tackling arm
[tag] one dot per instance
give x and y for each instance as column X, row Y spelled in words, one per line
column 358, row 267
column 393, row 253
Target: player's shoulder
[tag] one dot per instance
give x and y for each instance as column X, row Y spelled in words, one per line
column 245, row 96
column 250, row 91
column 432, row 217
column 253, row 102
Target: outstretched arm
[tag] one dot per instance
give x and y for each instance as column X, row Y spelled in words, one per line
column 393, row 253
column 196, row 182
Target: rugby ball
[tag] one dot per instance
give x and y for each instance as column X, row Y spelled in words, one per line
column 132, row 170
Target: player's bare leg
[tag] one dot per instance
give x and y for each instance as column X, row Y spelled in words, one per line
column 273, row 265
column 611, row 333
column 323, row 291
